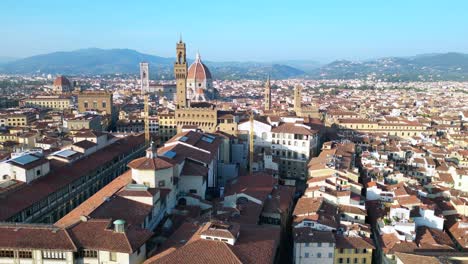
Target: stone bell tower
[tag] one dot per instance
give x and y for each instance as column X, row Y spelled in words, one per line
column 144, row 77
column 268, row 94
column 298, row 99
column 180, row 73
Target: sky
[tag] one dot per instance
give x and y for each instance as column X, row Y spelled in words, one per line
column 237, row 30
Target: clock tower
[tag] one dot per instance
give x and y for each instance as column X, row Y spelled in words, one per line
column 180, row 73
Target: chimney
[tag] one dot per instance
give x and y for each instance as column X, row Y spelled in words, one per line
column 151, row 151
column 119, row 226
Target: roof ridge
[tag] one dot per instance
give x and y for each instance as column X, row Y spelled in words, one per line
column 230, row 250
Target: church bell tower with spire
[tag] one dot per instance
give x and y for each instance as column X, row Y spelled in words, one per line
column 180, row 73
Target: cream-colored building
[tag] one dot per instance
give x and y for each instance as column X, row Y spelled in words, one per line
column 55, row 102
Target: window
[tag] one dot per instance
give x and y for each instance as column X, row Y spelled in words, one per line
column 306, row 255
column 193, row 191
column 85, row 105
column 319, row 244
column 104, row 104
column 364, row 260
column 306, row 244
column 364, row 251
column 113, row 256
column 6, row 253
column 348, row 260
column 340, row 260
column 341, row 251
column 319, row 255
column 356, row 251
column 330, row 244
column 38, row 172
column 53, row 255
column 330, row 255
column 25, row 254
column 355, row 260
column 88, row 253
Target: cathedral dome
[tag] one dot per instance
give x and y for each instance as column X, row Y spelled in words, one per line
column 61, row 81
column 198, row 71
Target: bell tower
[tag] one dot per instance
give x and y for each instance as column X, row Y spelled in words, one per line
column 268, row 94
column 144, row 77
column 297, row 98
column 180, row 73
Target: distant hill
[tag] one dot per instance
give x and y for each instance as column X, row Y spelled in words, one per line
column 85, row 61
column 4, row 59
column 103, row 61
column 427, row 67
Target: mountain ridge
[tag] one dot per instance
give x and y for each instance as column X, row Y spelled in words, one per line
column 422, row 67
column 109, row 61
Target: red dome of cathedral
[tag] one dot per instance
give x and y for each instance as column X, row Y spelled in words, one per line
column 61, row 81
column 198, row 70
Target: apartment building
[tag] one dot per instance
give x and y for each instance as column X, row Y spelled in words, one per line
column 293, row 144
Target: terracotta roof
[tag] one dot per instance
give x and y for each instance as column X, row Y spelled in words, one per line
column 93, row 202
column 430, row 238
column 352, row 209
column 257, row 185
column 198, row 71
column 406, row 258
column 291, row 128
column 21, row 236
column 459, row 232
column 85, row 144
column 280, row 199
column 307, row 205
column 193, row 169
column 255, row 244
column 308, row 235
column 354, row 242
column 183, row 152
column 117, row 207
column 144, row 163
column 98, row 234
column 198, row 252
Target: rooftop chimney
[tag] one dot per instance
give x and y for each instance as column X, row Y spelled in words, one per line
column 119, row 226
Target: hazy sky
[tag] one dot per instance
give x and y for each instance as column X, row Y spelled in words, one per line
column 237, row 29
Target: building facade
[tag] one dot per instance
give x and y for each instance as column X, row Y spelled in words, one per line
column 55, row 102
column 96, row 101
